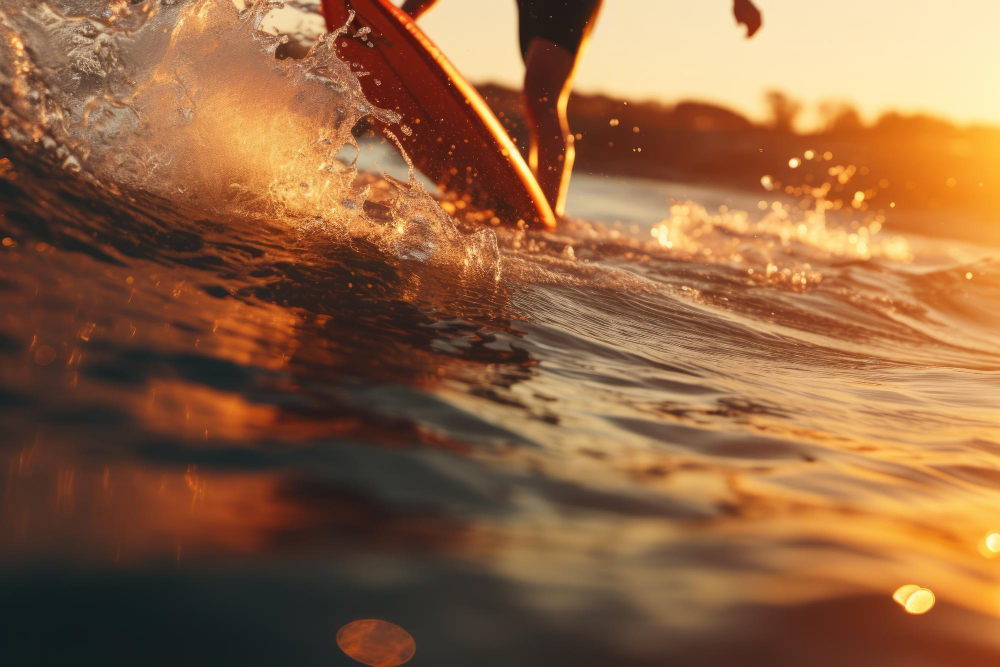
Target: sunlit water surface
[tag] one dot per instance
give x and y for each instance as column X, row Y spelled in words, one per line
column 247, row 400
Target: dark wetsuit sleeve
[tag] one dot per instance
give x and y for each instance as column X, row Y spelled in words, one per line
column 565, row 22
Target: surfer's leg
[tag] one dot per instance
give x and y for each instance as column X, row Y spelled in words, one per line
column 547, row 82
column 552, row 34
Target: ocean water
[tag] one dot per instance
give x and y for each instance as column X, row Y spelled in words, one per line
column 250, row 393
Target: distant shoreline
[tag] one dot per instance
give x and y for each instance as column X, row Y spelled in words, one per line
column 918, row 163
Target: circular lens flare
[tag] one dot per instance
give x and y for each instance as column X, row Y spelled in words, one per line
column 376, row 643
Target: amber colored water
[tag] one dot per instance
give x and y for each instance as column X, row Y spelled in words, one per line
column 689, row 438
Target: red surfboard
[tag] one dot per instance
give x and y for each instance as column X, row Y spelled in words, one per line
column 450, row 133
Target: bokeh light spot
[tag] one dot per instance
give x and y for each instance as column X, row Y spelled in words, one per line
column 920, row 602
column 904, row 592
column 44, row 355
column 376, row 643
column 914, row 599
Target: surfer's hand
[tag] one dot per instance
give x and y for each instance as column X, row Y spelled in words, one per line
column 748, row 15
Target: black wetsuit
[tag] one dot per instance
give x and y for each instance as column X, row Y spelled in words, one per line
column 565, row 22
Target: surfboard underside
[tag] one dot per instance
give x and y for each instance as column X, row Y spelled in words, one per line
column 447, row 129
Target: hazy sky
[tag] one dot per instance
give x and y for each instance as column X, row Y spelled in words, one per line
column 910, row 54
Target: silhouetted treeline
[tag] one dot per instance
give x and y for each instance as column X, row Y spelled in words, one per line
column 918, row 162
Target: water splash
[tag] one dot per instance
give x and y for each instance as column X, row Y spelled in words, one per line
column 778, row 248
column 186, row 100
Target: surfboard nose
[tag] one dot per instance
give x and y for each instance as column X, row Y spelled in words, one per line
column 446, row 127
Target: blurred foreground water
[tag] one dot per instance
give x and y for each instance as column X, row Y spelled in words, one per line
column 249, row 395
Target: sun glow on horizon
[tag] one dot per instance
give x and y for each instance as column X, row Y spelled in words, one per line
column 877, row 56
